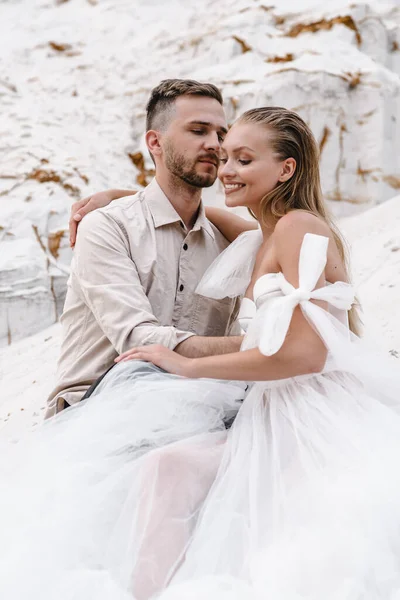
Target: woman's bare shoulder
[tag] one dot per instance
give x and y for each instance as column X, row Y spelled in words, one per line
column 300, row 222
column 289, row 235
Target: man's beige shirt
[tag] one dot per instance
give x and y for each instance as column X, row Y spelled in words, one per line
column 133, row 279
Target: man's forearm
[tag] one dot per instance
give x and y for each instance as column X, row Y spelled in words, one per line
column 198, row 346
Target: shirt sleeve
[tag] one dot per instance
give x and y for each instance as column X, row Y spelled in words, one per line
column 111, row 287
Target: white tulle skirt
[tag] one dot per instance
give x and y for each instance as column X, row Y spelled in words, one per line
column 82, row 495
column 141, row 493
column 306, row 504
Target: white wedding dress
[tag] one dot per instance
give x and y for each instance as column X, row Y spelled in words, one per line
column 141, row 493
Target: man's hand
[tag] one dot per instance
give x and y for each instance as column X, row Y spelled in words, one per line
column 160, row 356
column 83, row 207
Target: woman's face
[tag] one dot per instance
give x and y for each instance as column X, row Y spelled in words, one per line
column 249, row 169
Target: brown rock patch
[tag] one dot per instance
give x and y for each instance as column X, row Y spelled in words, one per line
column 326, row 132
column 138, row 160
column 244, row 46
column 393, row 181
column 60, row 47
column 54, row 241
column 49, row 176
column 325, row 24
column 279, row 59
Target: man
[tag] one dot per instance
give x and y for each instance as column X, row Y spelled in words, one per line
column 137, row 262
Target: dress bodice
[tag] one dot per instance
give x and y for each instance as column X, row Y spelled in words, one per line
column 266, row 319
column 246, row 314
column 266, row 285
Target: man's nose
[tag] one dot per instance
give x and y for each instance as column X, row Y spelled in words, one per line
column 212, row 142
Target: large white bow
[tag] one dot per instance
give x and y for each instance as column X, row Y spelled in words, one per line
column 277, row 311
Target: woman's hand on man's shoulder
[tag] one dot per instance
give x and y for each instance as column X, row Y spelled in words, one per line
column 83, row 207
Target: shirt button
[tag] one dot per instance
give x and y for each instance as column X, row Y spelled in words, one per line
column 185, row 246
column 181, row 287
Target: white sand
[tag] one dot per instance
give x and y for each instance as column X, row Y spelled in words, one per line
column 374, row 238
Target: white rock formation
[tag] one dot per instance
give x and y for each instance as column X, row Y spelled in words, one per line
column 75, row 76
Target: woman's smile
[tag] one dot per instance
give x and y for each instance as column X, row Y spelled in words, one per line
column 231, row 188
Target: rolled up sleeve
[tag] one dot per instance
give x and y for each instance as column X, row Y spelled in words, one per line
column 112, row 290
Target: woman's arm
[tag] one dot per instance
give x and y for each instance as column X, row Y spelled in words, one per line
column 302, row 351
column 249, row 365
column 83, row 207
column 229, row 224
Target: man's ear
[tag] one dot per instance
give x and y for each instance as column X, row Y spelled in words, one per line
column 288, row 168
column 152, row 138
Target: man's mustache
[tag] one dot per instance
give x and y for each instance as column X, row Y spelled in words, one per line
column 213, row 158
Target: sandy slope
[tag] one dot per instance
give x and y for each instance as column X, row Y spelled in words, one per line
column 27, row 370
column 374, row 238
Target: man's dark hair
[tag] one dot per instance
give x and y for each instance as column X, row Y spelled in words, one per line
column 163, row 96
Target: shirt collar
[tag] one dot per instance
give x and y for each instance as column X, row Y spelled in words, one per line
column 203, row 223
column 164, row 213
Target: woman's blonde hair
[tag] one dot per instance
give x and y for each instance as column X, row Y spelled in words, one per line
column 292, row 138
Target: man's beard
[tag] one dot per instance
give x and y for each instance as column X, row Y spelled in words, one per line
column 185, row 169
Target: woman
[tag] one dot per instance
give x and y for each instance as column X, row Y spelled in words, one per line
column 300, row 499
column 306, row 500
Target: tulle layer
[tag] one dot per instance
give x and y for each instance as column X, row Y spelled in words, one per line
column 144, row 495
column 230, row 273
column 306, row 504
column 77, row 494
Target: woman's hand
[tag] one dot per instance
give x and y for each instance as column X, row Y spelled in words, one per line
column 83, row 207
column 161, row 357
